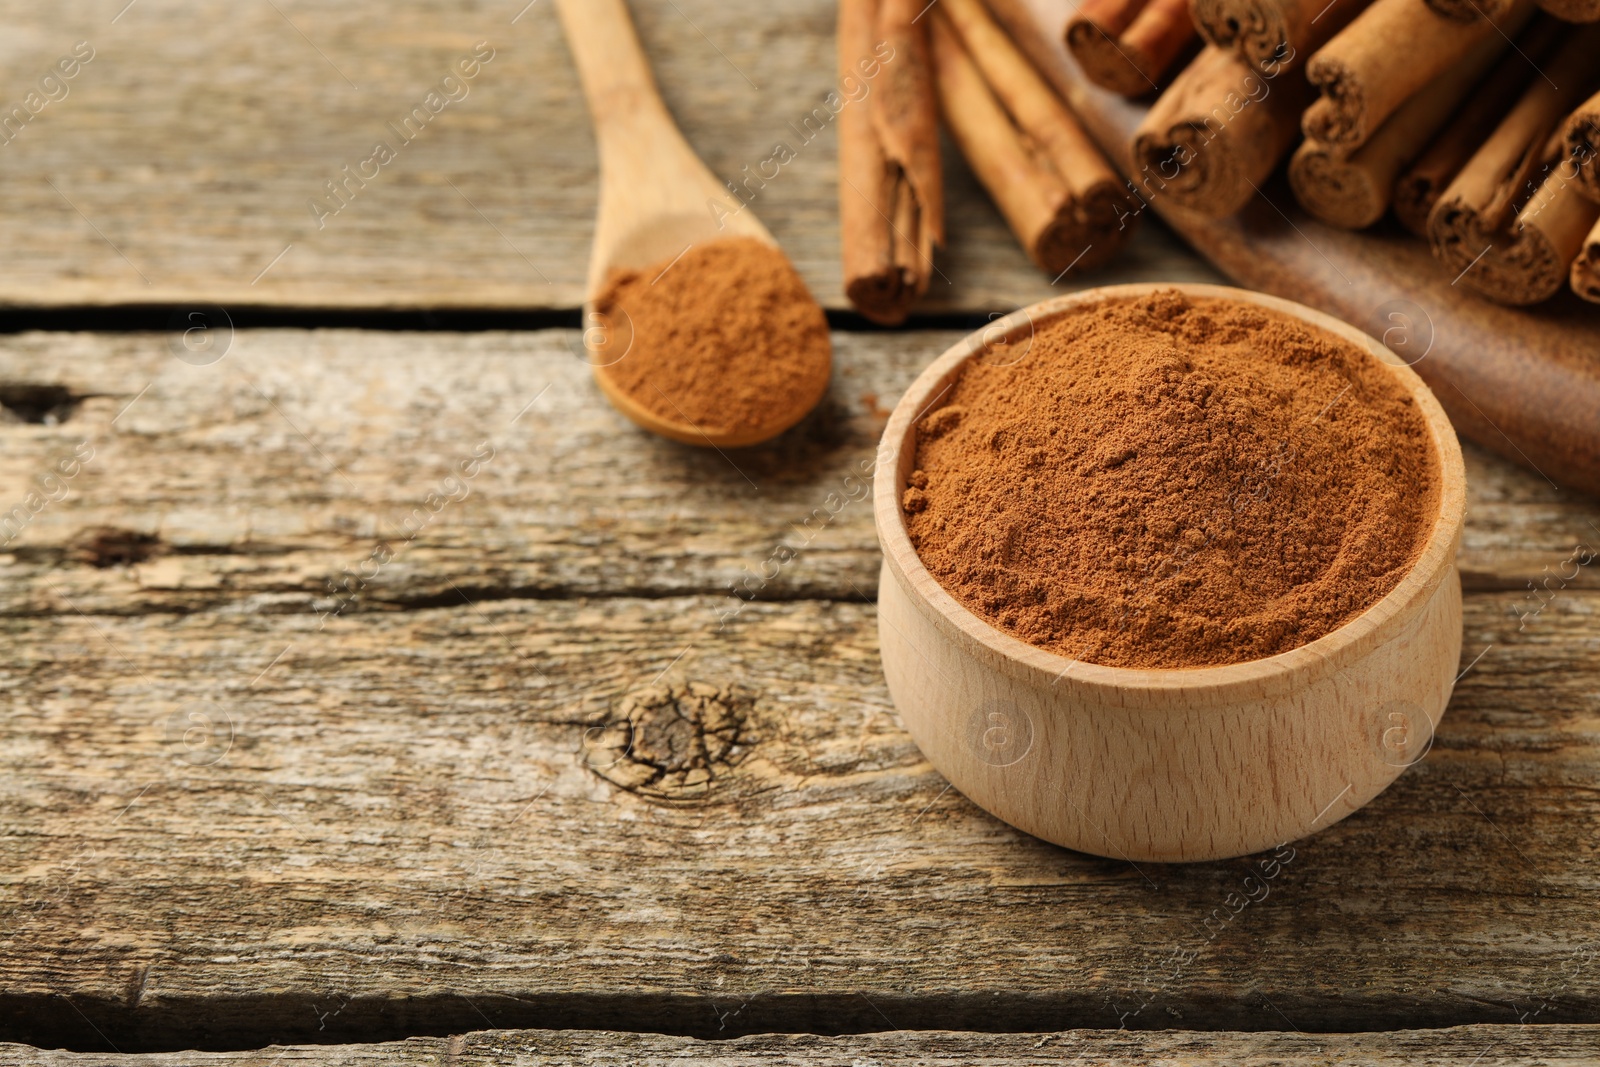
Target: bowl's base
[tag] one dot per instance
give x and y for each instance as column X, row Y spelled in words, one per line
column 1169, row 774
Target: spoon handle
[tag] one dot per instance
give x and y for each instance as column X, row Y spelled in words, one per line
column 656, row 196
column 611, row 63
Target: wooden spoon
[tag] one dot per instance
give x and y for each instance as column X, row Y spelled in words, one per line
column 654, row 197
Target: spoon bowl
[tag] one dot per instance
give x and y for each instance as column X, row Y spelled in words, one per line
column 657, row 201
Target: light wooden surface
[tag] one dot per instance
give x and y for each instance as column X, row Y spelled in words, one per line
column 181, row 164
column 241, row 805
column 1483, row 1046
column 415, row 821
column 1168, row 765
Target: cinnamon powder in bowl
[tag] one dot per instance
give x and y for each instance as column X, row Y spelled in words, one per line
column 1169, row 573
column 1172, row 481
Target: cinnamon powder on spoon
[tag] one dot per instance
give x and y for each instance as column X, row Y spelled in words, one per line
column 725, row 337
column 1172, row 482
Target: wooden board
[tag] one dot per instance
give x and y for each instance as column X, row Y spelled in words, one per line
column 409, row 816
column 181, row 165
column 1524, row 382
column 247, row 798
column 1483, row 1046
column 224, row 826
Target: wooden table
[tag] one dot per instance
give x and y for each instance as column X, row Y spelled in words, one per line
column 311, row 740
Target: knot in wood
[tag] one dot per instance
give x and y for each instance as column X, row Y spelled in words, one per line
column 109, row 546
column 671, row 742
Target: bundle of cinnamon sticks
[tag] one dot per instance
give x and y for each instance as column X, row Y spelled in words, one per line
column 1513, row 220
column 1455, row 133
column 1476, row 123
column 1059, row 194
column 1463, row 117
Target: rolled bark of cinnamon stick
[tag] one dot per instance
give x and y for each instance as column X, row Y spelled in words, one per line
column 1213, row 137
column 1127, row 46
column 891, row 189
column 1271, row 33
column 1419, row 188
column 1353, row 191
column 1511, row 256
column 1099, row 213
column 1532, row 264
column 1387, row 54
column 1053, row 226
column 1581, row 137
column 1585, row 276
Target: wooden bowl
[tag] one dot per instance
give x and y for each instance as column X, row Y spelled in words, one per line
column 1165, row 765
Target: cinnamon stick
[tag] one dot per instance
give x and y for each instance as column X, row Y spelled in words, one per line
column 891, row 190
column 1273, row 33
column 1586, row 268
column 1217, row 132
column 1581, row 136
column 1098, row 201
column 1127, row 46
column 1353, row 190
column 1419, row 188
column 1388, row 53
column 1546, row 239
column 1057, row 193
column 1476, row 230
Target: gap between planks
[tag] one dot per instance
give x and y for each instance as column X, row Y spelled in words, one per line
column 1481, row 1046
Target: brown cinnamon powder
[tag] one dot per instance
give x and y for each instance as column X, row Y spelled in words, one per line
column 1172, row 482
column 725, row 337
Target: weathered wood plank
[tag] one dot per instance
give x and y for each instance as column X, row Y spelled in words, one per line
column 257, row 480
column 184, row 158
column 1484, row 1046
column 234, row 824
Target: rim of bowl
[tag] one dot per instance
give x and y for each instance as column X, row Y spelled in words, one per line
column 1327, row 653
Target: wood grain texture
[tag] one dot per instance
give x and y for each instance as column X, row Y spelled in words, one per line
column 1488, row 1046
column 540, row 768
column 251, row 483
column 237, row 806
column 1523, row 382
column 182, row 161
column 230, row 826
